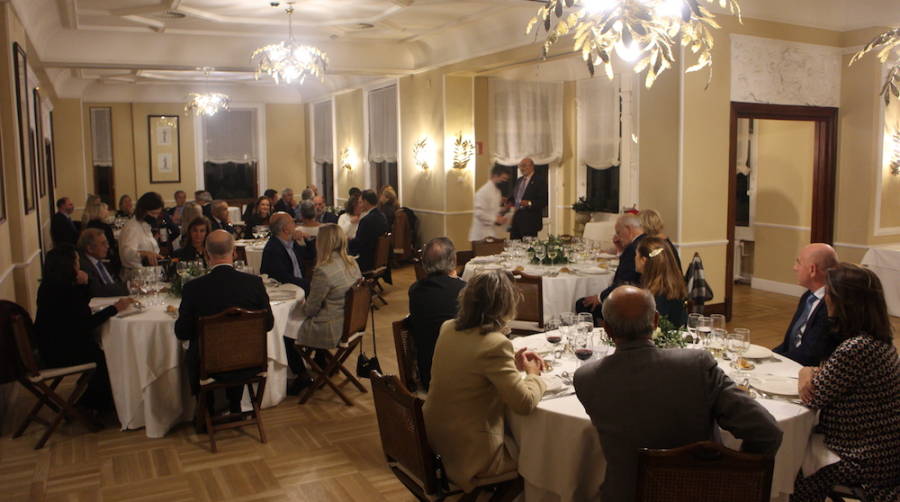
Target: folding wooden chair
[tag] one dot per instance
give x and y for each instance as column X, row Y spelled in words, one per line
column 234, row 340
column 407, row 363
column 463, row 257
column 41, row 383
column 703, row 471
column 356, row 314
column 382, row 257
column 530, row 311
column 403, row 238
column 487, row 247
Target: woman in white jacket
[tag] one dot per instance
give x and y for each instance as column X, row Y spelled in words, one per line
column 136, row 242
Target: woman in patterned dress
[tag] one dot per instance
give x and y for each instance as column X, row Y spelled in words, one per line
column 857, row 391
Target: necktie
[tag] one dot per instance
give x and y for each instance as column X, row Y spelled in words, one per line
column 802, row 319
column 520, row 191
column 104, row 274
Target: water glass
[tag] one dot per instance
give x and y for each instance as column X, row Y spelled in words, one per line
column 566, row 322
column 738, row 343
column 540, row 252
column 716, row 342
column 240, row 265
column 704, row 329
column 717, row 321
column 693, row 322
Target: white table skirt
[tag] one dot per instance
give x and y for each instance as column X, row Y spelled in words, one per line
column 253, row 252
column 560, row 455
column 146, row 367
column 885, row 262
column 560, row 292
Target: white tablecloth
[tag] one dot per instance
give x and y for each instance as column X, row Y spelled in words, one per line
column 146, row 367
column 885, row 262
column 254, row 252
column 560, row 292
column 560, row 455
column 235, row 216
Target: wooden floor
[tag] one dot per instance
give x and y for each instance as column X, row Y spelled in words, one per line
column 321, row 451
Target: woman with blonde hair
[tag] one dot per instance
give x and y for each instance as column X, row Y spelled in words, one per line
column 661, row 276
column 652, row 224
column 388, row 204
column 475, row 377
column 191, row 212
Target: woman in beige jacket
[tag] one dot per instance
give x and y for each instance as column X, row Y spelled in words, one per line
column 475, row 376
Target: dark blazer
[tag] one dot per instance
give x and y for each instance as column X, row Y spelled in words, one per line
column 96, row 287
column 283, row 207
column 528, row 220
column 215, row 224
column 115, row 264
column 63, row 229
column 627, row 272
column 276, row 263
column 673, row 310
column 363, row 245
column 252, row 220
column 817, row 342
column 207, row 210
column 221, row 288
column 664, row 398
column 432, row 301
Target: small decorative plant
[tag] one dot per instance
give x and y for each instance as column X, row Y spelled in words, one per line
column 667, row 335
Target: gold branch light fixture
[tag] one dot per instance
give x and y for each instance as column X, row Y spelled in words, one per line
column 888, row 46
column 463, row 150
column 643, row 32
column 206, row 103
column 288, row 61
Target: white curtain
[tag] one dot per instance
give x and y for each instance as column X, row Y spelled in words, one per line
column 230, row 136
column 383, row 124
column 101, row 136
column 323, row 142
column 527, row 120
column 743, row 146
column 598, row 122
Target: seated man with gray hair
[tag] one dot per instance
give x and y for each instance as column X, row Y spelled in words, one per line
column 645, row 397
column 93, row 248
column 432, row 301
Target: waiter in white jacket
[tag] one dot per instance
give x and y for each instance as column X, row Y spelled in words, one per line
column 489, row 214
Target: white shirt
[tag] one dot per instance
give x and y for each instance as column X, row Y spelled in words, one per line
column 136, row 236
column 486, row 209
column 347, row 226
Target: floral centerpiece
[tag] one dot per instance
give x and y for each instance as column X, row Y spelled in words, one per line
column 583, row 209
column 554, row 251
column 667, row 335
column 185, row 272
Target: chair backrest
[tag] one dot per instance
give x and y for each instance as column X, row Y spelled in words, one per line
column 10, row 365
column 531, row 306
column 407, row 364
column 402, row 240
column 26, row 359
column 356, row 308
column 487, row 247
column 402, row 429
column 420, row 270
column 703, row 471
column 463, row 257
column 234, row 339
column 383, row 251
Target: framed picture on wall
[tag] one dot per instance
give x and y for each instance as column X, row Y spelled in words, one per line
column 38, row 144
column 25, row 142
column 165, row 148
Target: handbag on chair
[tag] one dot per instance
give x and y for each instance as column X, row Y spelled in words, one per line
column 365, row 365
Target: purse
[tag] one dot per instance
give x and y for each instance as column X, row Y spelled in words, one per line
column 366, row 365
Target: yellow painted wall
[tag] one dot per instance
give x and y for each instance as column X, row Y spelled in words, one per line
column 459, row 183
column 482, row 134
column 890, row 183
column 287, row 155
column 348, row 113
column 69, row 143
column 658, row 150
column 422, row 116
column 123, row 150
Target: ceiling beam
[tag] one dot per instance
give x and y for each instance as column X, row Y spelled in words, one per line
column 68, row 13
column 332, row 70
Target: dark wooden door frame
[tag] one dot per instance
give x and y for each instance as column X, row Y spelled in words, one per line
column 824, row 172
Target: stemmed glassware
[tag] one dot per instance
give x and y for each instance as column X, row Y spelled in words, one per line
column 717, row 343
column 540, row 252
column 583, row 345
column 567, row 321
column 552, row 253
column 704, row 331
column 693, row 322
column 554, row 336
column 738, row 344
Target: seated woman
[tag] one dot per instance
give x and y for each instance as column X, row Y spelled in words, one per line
column 475, row 376
column 64, row 325
column 258, row 217
column 388, row 204
column 857, row 392
column 195, row 248
column 96, row 214
column 662, row 277
column 349, row 219
column 191, row 211
column 126, row 207
column 652, row 224
column 137, row 245
column 308, row 224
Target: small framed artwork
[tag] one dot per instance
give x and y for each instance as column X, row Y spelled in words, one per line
column 25, row 141
column 165, row 148
column 40, row 158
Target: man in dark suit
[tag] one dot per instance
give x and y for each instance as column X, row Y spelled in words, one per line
column 372, row 225
column 808, row 339
column 530, row 197
column 283, row 256
column 220, row 219
column 93, row 248
column 221, row 288
column 322, row 214
column 286, row 203
column 644, row 397
column 432, row 301
column 204, row 199
column 62, row 228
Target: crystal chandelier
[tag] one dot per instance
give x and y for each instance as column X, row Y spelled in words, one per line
column 888, row 45
column 287, row 61
column 206, row 103
column 645, row 32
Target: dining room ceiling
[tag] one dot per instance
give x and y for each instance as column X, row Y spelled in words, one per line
column 91, row 48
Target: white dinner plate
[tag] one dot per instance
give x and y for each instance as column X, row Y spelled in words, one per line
column 782, row 386
column 757, row 352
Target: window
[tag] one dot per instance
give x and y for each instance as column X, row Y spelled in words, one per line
column 101, row 153
column 603, row 188
column 323, row 150
column 382, row 111
column 230, row 162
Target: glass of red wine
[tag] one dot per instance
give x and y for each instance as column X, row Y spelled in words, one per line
column 554, row 336
column 584, row 346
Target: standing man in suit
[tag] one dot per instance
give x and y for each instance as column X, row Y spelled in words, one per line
column 62, row 228
column 220, row 219
column 283, row 255
column 488, row 215
column 221, row 288
column 644, row 397
column 93, row 246
column 530, row 196
column 372, row 225
column 322, row 215
column 808, row 339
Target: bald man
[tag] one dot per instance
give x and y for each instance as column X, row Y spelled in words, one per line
column 530, row 198
column 808, row 339
column 645, row 397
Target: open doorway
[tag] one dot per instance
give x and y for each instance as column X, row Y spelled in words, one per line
column 781, row 189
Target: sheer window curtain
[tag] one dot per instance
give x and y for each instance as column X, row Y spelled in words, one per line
column 101, row 136
column 527, row 120
column 598, row 122
column 383, row 125
column 323, row 142
column 230, row 137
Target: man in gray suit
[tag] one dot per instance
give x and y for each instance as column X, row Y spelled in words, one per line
column 644, row 397
column 93, row 247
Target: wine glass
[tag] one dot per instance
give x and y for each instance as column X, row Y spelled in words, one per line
column 704, row 328
column 738, row 343
column 552, row 253
column 540, row 252
column 716, row 342
column 717, row 321
column 554, row 336
column 692, row 323
column 240, row 265
column 583, row 344
column 566, row 321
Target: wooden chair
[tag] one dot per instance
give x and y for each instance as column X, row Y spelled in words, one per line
column 234, row 340
column 356, row 314
column 462, row 258
column 487, row 247
column 530, row 312
column 419, row 269
column 382, row 257
column 20, row 362
column 402, row 237
column 405, row 444
column 703, row 471
column 407, row 364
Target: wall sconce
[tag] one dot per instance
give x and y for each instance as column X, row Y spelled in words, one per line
column 347, row 159
column 895, row 158
column 422, row 153
column 463, row 150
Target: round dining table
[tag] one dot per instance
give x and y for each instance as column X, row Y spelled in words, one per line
column 147, row 370
column 253, row 250
column 560, row 455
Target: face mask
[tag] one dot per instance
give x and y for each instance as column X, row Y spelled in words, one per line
column 500, row 184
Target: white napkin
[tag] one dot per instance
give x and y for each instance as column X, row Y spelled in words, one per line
column 554, row 384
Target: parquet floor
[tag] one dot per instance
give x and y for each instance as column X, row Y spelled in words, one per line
column 321, row 451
